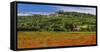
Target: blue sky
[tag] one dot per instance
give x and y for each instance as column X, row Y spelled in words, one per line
column 29, row 9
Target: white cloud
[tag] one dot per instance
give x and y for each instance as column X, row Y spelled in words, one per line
column 32, row 13
column 24, row 14
column 78, row 9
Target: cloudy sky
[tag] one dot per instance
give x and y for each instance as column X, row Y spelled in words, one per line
column 30, row 9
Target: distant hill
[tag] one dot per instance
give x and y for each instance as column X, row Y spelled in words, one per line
column 60, row 21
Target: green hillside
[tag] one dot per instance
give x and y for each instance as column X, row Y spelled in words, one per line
column 60, row 21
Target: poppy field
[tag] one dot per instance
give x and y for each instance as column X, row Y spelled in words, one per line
column 55, row 39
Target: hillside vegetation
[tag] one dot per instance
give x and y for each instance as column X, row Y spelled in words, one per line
column 60, row 21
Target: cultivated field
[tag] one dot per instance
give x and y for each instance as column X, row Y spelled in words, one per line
column 31, row 39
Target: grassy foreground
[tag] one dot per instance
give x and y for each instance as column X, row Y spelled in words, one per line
column 29, row 39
